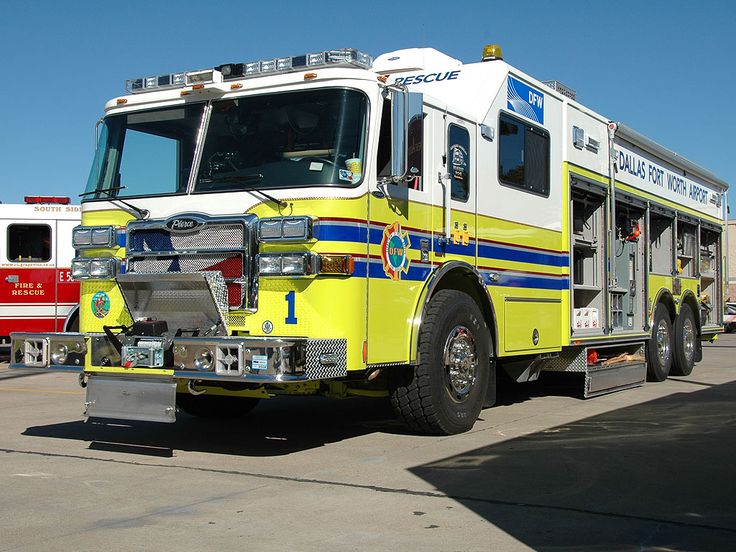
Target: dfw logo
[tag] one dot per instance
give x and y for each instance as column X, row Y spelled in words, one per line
column 395, row 246
column 525, row 100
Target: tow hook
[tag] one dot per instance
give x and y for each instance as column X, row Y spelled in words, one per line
column 193, row 391
column 83, row 380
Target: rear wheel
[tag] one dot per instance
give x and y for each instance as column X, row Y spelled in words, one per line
column 686, row 341
column 445, row 392
column 215, row 406
column 659, row 348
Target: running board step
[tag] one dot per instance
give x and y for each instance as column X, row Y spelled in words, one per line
column 607, row 367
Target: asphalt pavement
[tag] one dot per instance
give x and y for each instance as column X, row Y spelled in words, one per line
column 650, row 468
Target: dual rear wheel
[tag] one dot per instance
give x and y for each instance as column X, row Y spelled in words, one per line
column 671, row 350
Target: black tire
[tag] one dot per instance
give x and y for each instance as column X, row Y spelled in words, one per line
column 438, row 397
column 659, row 348
column 215, row 406
column 72, row 324
column 686, row 338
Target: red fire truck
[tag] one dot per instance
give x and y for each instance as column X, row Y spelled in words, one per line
column 37, row 293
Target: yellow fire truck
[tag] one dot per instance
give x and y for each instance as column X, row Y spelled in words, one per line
column 400, row 227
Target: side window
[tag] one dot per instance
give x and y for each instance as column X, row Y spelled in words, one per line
column 29, row 243
column 523, row 156
column 383, row 157
column 415, row 145
column 458, row 160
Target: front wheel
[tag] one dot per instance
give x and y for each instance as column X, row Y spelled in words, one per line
column 445, row 392
column 659, row 348
column 686, row 341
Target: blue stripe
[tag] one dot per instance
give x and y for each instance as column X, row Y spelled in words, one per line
column 523, row 256
column 350, row 233
column 340, row 232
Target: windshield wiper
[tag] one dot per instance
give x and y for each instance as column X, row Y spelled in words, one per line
column 244, row 178
column 139, row 213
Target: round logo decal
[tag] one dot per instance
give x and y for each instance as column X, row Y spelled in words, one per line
column 100, row 304
column 395, row 246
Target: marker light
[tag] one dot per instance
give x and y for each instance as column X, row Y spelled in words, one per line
column 336, row 264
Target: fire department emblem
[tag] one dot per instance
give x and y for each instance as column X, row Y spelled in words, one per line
column 395, row 251
column 100, row 304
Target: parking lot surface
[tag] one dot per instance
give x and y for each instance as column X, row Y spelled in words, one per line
column 650, row 468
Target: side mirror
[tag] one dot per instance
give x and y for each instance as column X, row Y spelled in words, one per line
column 399, row 133
column 405, row 108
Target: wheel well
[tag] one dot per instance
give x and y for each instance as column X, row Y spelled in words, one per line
column 466, row 281
column 667, row 300
column 71, row 324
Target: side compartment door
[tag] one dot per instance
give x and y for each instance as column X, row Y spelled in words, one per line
column 27, row 276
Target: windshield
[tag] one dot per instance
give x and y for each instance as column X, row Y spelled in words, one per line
column 305, row 138
column 145, row 153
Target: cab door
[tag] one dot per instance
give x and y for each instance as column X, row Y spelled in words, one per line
column 454, row 191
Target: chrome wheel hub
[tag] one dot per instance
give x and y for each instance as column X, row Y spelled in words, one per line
column 688, row 339
column 461, row 362
column 663, row 342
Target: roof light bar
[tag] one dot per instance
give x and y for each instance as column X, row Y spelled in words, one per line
column 342, row 57
column 158, row 82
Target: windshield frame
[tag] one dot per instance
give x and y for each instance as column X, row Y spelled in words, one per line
column 97, row 194
column 252, row 184
column 102, row 154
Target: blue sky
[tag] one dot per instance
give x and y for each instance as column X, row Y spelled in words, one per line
column 665, row 69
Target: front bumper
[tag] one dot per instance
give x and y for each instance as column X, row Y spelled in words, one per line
column 226, row 358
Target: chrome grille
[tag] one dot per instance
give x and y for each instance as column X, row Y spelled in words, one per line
column 209, row 237
column 221, row 244
column 231, row 265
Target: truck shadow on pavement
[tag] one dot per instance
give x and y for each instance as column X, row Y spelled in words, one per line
column 658, row 475
column 273, row 428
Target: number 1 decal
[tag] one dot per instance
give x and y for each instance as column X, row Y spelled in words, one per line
column 291, row 304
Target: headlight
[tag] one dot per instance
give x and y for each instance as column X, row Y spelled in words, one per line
column 285, row 229
column 88, row 237
column 295, row 264
column 270, row 229
column 269, row 264
column 67, row 351
column 58, row 353
column 84, row 268
column 288, row 264
column 81, row 236
column 103, row 236
column 203, row 359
